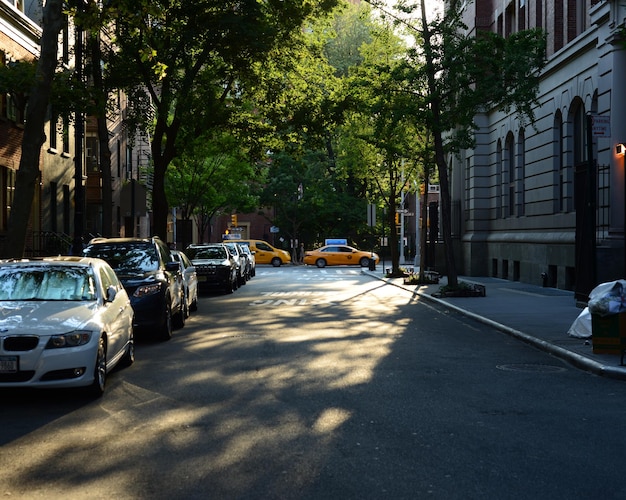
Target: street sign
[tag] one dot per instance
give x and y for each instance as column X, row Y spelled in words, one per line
column 274, row 229
column 601, row 126
column 371, row 215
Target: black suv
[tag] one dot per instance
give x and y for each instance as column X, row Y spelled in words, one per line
column 215, row 266
column 151, row 278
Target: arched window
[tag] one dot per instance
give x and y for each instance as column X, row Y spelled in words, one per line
column 558, row 155
column 579, row 138
column 500, row 202
column 509, row 169
column 520, row 178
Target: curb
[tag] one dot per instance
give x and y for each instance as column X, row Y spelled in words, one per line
column 576, row 360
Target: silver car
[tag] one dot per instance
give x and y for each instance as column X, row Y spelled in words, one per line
column 190, row 281
column 65, row 322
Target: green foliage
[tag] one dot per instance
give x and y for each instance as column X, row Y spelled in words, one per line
column 197, row 64
column 471, row 73
column 212, row 176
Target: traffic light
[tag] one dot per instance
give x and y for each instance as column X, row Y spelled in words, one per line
column 397, row 219
column 233, row 220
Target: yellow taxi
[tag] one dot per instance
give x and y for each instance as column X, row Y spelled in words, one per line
column 264, row 253
column 339, row 255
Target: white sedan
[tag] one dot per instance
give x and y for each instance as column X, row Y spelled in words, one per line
column 64, row 322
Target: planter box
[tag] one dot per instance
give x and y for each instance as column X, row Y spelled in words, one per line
column 474, row 291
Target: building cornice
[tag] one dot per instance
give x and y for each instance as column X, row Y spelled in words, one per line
column 19, row 28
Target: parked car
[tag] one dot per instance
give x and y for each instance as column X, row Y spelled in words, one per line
column 150, row 276
column 65, row 322
column 240, row 260
column 339, row 255
column 215, row 266
column 190, row 281
column 251, row 265
column 264, row 253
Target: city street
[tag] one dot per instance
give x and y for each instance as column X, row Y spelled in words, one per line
column 314, row 383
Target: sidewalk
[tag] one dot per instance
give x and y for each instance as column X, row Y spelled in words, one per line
column 536, row 315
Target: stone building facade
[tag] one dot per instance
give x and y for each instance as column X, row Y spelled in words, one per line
column 544, row 203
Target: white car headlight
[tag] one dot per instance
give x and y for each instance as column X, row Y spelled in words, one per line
column 71, row 339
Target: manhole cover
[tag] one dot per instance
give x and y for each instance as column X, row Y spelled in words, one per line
column 529, row 367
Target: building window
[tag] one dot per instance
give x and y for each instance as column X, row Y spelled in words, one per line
column 539, row 14
column 466, row 201
column 52, row 129
column 576, row 18
column 579, row 138
column 92, row 154
column 119, row 158
column 15, row 105
column 66, row 208
column 53, row 206
column 7, row 188
column 557, row 32
column 521, row 174
column 509, row 158
column 3, row 97
column 521, row 17
column 509, row 19
column 500, row 203
column 559, row 163
column 66, row 134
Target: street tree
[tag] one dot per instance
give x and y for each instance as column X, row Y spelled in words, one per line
column 192, row 62
column 383, row 115
column 213, row 177
column 461, row 75
column 34, row 135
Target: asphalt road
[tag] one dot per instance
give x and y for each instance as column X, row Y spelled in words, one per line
column 320, row 384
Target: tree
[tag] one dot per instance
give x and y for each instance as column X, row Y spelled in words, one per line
column 34, row 136
column 213, row 176
column 192, row 62
column 462, row 75
column 385, row 117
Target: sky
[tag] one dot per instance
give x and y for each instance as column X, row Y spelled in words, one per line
column 432, row 6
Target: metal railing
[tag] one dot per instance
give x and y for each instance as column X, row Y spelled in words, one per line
column 47, row 243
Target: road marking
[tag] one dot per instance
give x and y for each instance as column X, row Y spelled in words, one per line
column 295, row 298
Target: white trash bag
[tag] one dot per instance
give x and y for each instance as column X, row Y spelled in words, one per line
column 608, row 298
column 581, row 327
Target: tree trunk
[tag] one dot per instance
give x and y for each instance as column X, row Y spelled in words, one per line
column 440, row 160
column 34, row 135
column 424, row 229
column 393, row 236
column 160, row 208
column 163, row 149
column 446, row 216
column 103, row 137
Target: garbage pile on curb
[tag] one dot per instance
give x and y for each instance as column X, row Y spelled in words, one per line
column 604, row 318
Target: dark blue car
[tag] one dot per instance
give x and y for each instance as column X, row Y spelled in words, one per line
column 151, row 278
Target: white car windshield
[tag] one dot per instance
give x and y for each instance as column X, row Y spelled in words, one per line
column 46, row 283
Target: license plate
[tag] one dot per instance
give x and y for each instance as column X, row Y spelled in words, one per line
column 8, row 364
